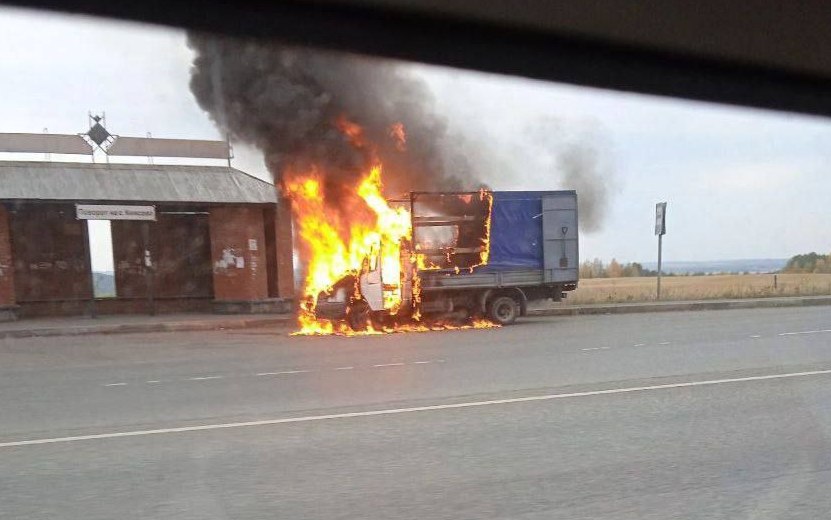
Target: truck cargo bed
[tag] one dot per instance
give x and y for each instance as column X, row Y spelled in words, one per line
column 532, row 240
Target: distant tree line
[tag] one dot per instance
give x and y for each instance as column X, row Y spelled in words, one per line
column 810, row 263
column 597, row 269
column 807, row 263
column 614, row 269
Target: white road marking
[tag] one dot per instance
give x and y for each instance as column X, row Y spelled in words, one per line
column 152, row 381
column 804, row 332
column 284, row 372
column 591, row 348
column 345, row 368
column 204, row 378
column 605, row 348
column 420, row 362
column 389, row 365
column 755, row 336
column 639, row 344
column 664, row 343
column 116, row 384
column 396, row 411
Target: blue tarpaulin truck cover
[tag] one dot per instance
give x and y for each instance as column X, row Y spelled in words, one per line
column 516, row 230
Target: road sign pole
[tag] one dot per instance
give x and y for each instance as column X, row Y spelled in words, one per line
column 660, row 230
column 660, row 243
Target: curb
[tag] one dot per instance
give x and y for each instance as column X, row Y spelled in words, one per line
column 699, row 305
column 171, row 326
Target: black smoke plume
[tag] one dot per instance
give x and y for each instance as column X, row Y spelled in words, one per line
column 288, row 101
column 573, row 154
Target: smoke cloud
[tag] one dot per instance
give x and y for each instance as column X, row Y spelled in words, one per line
column 288, row 102
column 572, row 153
column 293, row 104
column 581, row 171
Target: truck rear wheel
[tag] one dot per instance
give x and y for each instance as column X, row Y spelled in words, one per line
column 503, row 310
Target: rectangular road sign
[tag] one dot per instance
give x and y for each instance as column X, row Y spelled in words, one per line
column 109, row 212
column 661, row 218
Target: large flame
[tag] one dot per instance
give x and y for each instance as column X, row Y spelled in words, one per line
column 330, row 256
column 391, row 226
column 336, row 243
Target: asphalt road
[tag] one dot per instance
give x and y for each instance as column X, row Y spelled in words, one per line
column 714, row 414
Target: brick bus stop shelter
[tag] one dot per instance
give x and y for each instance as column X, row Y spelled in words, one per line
column 184, row 237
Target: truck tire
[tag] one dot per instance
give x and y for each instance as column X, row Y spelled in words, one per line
column 503, row 310
column 357, row 316
column 378, row 320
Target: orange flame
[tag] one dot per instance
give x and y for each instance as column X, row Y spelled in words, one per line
column 330, row 257
column 392, row 225
column 485, row 254
column 345, row 237
column 318, row 231
column 353, row 131
column 344, row 330
column 399, row 135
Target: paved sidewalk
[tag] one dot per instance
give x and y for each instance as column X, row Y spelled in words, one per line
column 81, row 325
column 76, row 326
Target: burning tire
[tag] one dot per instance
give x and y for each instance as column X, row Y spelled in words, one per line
column 503, row 310
column 358, row 316
column 379, row 320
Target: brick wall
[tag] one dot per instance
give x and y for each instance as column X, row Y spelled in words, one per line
column 180, row 252
column 50, row 262
column 7, row 296
column 238, row 252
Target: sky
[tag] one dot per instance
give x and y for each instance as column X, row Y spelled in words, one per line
column 739, row 183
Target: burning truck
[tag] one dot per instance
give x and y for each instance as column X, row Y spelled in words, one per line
column 345, row 137
column 430, row 260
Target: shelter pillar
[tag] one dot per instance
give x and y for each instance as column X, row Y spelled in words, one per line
column 285, row 250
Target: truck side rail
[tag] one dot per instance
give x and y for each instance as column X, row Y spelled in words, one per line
column 444, row 279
